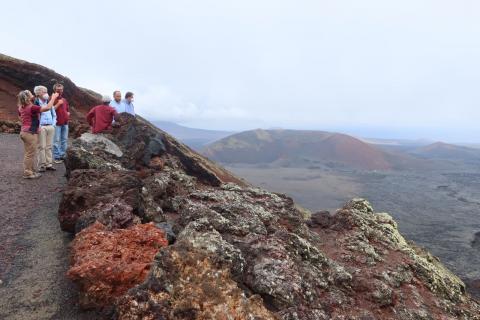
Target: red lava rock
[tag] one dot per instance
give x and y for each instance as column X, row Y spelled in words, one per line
column 105, row 264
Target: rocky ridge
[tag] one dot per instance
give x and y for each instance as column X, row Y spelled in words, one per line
column 214, row 247
column 17, row 75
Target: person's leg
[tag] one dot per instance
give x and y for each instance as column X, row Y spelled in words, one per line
column 26, row 155
column 30, row 147
column 42, row 143
column 56, row 142
column 64, row 138
column 35, row 153
column 50, row 133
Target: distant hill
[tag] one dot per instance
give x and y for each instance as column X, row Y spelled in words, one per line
column 441, row 150
column 397, row 142
column 297, row 146
column 194, row 138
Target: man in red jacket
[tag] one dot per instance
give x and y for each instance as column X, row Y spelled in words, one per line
column 101, row 117
column 61, row 129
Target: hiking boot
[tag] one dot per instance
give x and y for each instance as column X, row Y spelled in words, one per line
column 51, row 169
column 33, row 176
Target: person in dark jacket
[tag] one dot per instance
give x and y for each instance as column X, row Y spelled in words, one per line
column 101, row 117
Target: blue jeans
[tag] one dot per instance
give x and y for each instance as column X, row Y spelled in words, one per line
column 60, row 141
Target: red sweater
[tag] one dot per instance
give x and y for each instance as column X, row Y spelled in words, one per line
column 62, row 112
column 100, row 118
column 30, row 116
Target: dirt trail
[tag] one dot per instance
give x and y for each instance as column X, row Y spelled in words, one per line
column 33, row 249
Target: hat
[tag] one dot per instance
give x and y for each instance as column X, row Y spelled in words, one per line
column 106, row 98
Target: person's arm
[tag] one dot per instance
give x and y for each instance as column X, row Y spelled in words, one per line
column 67, row 107
column 50, row 103
column 115, row 114
column 90, row 116
column 59, row 102
column 54, row 116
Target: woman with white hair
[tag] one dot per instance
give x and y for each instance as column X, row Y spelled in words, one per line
column 46, row 134
column 30, row 117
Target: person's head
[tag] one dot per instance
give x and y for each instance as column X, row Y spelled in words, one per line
column 117, row 95
column 58, row 88
column 129, row 97
column 106, row 99
column 41, row 92
column 25, row 98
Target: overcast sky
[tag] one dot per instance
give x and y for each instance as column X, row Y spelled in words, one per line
column 375, row 68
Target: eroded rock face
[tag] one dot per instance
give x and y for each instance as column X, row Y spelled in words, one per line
column 106, row 263
column 239, row 252
column 112, row 194
column 116, row 214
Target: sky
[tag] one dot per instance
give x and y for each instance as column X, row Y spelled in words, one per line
column 373, row 68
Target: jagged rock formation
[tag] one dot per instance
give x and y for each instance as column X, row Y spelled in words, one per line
column 239, row 252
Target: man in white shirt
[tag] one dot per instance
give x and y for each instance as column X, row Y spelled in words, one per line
column 125, row 105
column 117, row 101
column 128, row 103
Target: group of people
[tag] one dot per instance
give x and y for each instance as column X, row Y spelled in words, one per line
column 44, row 125
column 102, row 116
column 44, row 129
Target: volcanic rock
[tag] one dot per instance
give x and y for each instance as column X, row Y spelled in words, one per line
column 189, row 285
column 9, row 126
column 241, row 252
column 96, row 193
column 105, row 264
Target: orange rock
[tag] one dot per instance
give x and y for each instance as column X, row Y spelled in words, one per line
column 105, row 264
column 157, row 163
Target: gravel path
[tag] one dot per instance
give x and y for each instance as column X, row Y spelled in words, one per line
column 33, row 249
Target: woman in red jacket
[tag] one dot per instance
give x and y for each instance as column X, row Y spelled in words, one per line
column 30, row 116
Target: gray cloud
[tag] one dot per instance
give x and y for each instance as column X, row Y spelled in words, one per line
column 407, row 68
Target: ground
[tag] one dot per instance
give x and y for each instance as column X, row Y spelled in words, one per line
column 33, row 249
